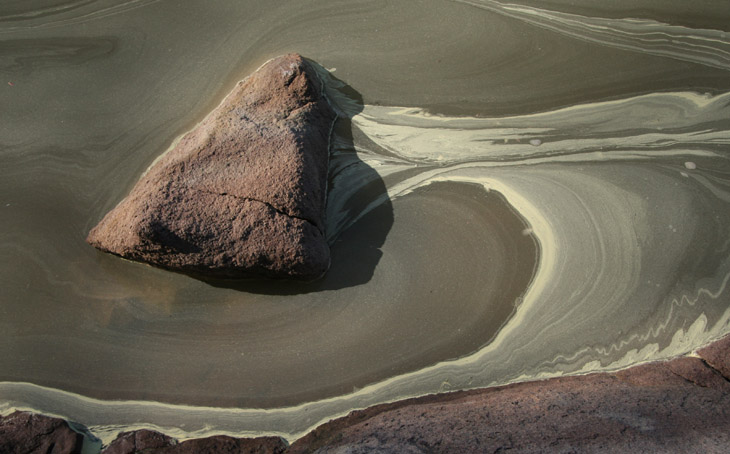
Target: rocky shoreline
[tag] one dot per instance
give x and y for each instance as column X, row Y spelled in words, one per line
column 681, row 405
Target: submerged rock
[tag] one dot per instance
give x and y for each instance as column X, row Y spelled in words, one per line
column 241, row 195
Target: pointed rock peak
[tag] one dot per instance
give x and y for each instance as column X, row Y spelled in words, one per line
column 241, row 195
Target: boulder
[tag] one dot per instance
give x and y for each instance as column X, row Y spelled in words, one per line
column 241, row 195
column 27, row 433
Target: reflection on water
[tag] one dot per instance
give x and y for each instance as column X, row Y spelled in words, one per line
column 524, row 190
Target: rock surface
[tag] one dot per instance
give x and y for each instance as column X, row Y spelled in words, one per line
column 148, row 441
column 677, row 406
column 28, row 433
column 241, row 195
column 138, row 441
column 717, row 356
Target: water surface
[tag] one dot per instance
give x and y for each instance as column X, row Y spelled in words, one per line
column 517, row 190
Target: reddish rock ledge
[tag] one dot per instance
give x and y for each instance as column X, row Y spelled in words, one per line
column 243, row 194
column 677, row 406
column 149, row 441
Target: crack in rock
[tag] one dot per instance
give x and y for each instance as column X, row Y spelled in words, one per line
column 252, row 199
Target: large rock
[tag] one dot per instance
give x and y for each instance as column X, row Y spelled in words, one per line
column 241, row 195
column 28, row 433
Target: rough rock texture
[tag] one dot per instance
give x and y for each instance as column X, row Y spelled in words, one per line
column 148, row 441
column 139, row 441
column 717, row 356
column 28, row 433
column 678, row 406
column 242, row 194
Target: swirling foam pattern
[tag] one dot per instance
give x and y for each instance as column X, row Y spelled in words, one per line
column 553, row 199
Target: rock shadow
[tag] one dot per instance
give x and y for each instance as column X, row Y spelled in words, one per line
column 359, row 211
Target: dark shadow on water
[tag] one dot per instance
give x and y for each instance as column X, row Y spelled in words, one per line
column 354, row 187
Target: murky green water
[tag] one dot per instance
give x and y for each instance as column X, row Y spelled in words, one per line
column 518, row 190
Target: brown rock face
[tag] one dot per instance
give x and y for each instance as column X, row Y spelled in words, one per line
column 717, row 356
column 243, row 194
column 676, row 406
column 148, row 441
column 26, row 433
column 139, row 441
